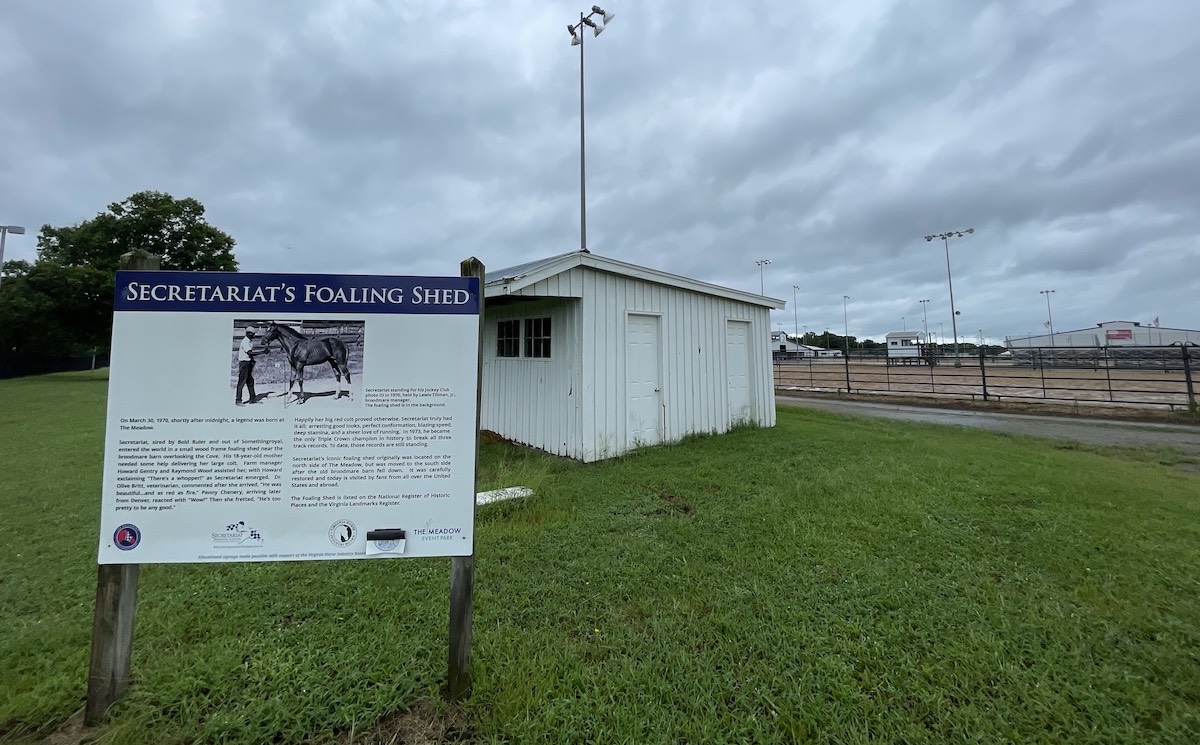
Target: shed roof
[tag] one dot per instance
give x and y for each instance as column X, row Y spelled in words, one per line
column 903, row 334
column 514, row 278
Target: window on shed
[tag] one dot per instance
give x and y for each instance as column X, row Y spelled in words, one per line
column 508, row 339
column 537, row 337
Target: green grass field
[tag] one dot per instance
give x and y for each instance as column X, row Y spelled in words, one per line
column 829, row 580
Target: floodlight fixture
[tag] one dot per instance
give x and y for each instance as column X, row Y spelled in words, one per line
column 604, row 14
column 595, row 28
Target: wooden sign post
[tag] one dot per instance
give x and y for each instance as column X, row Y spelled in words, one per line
column 462, row 568
column 116, row 601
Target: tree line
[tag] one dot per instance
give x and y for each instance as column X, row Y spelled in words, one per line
column 61, row 303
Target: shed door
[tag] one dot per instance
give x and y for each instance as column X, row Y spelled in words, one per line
column 643, row 381
column 737, row 371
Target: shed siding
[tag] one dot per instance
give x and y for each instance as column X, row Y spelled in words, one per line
column 693, row 359
column 535, row 401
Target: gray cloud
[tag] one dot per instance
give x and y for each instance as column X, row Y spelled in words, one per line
column 404, row 136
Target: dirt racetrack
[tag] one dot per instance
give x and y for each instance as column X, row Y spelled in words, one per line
column 1102, row 387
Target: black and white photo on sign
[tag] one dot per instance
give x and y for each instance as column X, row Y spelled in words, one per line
column 297, row 361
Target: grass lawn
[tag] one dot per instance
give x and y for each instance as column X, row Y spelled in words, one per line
column 829, row 580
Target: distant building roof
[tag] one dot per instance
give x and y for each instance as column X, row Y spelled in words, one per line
column 903, row 334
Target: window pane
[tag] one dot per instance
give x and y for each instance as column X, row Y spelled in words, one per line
column 508, row 338
column 537, row 337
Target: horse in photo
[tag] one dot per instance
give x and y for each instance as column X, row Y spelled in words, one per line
column 302, row 351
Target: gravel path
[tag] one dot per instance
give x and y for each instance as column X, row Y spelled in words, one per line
column 1094, row 432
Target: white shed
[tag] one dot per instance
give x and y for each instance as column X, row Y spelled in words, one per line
column 589, row 357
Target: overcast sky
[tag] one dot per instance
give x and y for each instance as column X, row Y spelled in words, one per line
column 401, row 136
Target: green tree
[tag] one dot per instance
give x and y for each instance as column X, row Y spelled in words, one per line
column 174, row 229
column 62, row 303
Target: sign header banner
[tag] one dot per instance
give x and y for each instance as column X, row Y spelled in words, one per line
column 216, row 292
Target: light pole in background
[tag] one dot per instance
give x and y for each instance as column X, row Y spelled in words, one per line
column 795, row 310
column 953, row 313
column 761, row 263
column 576, row 31
column 846, row 322
column 1049, row 315
column 4, row 231
column 903, row 323
column 924, row 315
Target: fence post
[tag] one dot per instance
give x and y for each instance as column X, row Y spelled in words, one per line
column 983, row 373
column 1042, row 370
column 116, row 601
column 1108, row 373
column 1187, row 376
column 847, row 371
column 460, row 676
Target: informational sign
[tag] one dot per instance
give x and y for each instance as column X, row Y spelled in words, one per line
column 1114, row 334
column 279, row 417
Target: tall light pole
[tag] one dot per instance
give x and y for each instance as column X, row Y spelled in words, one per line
column 576, row 32
column 1049, row 315
column 761, row 287
column 4, row 231
column 795, row 310
column 903, row 323
column 924, row 315
column 953, row 313
column 846, row 322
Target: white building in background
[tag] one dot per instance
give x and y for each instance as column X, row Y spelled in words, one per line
column 589, row 357
column 903, row 345
column 784, row 343
column 1109, row 334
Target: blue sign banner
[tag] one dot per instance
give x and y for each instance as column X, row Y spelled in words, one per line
column 222, row 292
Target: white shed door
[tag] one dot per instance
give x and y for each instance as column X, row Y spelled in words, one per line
column 737, row 370
column 643, row 383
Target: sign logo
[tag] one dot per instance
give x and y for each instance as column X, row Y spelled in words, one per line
column 388, row 545
column 237, row 534
column 127, row 537
column 1118, row 334
column 342, row 533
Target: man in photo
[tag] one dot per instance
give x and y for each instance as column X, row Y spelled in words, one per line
column 246, row 355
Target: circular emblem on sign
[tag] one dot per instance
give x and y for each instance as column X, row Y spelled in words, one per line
column 127, row 537
column 342, row 533
column 387, row 545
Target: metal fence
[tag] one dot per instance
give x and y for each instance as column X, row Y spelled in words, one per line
column 1157, row 377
